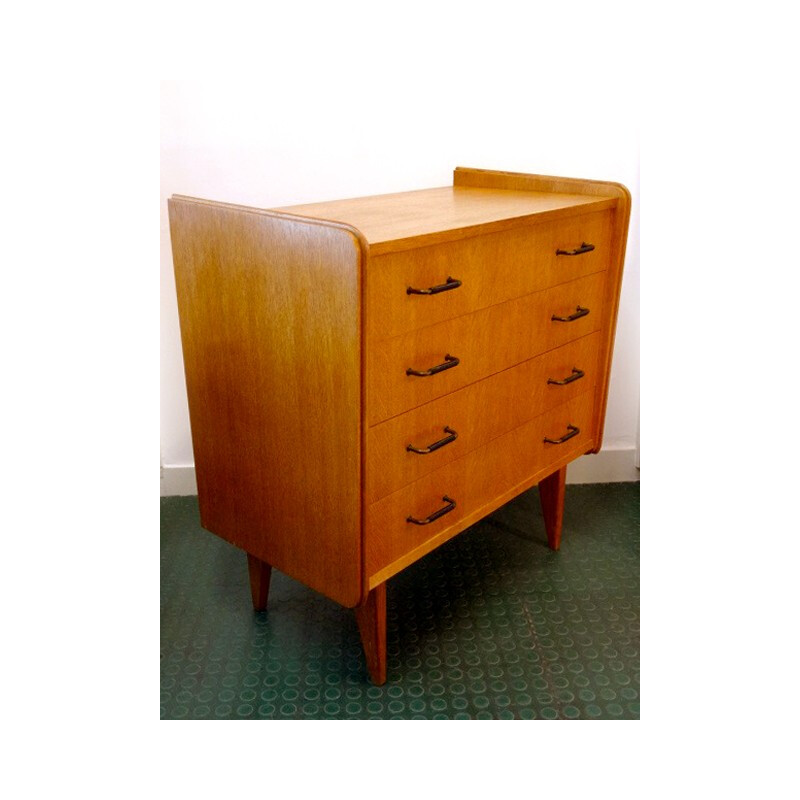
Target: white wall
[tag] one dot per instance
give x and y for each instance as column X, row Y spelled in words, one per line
column 304, row 139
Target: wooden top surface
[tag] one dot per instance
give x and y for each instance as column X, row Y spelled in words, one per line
column 406, row 216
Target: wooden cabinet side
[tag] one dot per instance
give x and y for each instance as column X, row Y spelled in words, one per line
column 269, row 309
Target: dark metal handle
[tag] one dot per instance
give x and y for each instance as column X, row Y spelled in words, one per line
column 436, row 445
column 451, row 504
column 584, row 248
column 580, row 312
column 449, row 363
column 577, row 374
column 452, row 283
column 573, row 431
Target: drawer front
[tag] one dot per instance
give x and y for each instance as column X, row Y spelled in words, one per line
column 474, row 482
column 484, row 342
column 491, row 269
column 447, row 428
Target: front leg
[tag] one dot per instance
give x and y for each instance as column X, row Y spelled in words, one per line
column 371, row 618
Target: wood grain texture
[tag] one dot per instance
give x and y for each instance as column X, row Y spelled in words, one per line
column 478, row 413
column 552, row 491
column 486, row 342
column 492, row 268
column 270, row 324
column 297, row 331
column 393, row 222
column 467, row 177
column 611, row 304
column 371, row 619
column 479, row 482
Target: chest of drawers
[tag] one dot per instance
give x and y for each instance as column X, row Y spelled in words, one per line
column 367, row 378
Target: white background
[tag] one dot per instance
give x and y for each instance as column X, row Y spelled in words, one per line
column 277, row 143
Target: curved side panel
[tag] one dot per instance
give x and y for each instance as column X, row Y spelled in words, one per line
column 619, row 243
column 270, row 323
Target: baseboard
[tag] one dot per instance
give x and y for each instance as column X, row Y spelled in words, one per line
column 178, row 481
column 608, row 466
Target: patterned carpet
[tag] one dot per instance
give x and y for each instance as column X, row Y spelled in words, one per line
column 492, row 625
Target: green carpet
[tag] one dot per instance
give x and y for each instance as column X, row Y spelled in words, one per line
column 492, row 625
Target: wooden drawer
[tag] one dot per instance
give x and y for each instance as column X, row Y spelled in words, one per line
column 476, row 414
column 478, row 482
column 485, row 342
column 492, row 269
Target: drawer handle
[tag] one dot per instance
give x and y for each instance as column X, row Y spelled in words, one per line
column 577, row 374
column 584, row 248
column 573, row 431
column 436, row 445
column 451, row 504
column 449, row 363
column 452, row 283
column 580, row 312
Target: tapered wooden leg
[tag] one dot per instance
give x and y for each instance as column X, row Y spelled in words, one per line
column 260, row 573
column 371, row 616
column 551, row 493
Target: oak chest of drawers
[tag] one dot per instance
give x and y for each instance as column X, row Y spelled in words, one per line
column 369, row 377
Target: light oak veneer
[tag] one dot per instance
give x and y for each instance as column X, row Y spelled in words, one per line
column 298, row 330
column 485, row 342
column 492, row 268
column 476, row 481
column 477, row 414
